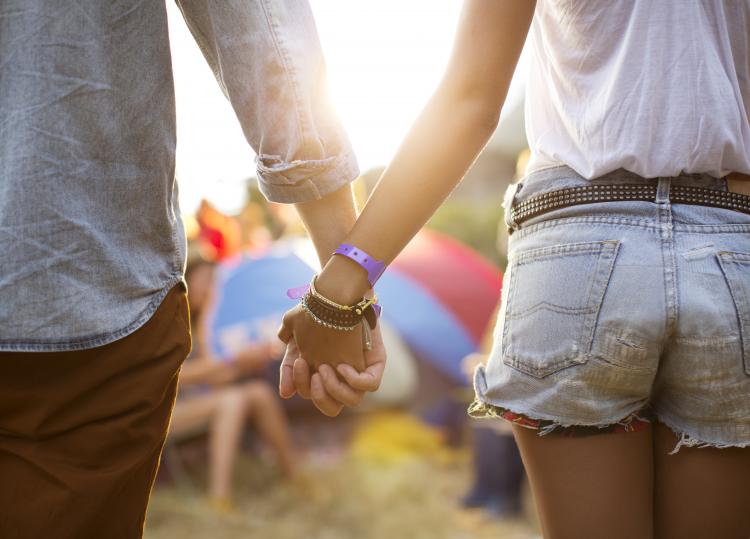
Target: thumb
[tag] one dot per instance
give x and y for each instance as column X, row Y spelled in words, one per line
column 286, row 375
column 285, row 331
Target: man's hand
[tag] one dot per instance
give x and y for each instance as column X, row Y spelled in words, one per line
column 328, row 390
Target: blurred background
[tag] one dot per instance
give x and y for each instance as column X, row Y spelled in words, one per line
column 239, row 461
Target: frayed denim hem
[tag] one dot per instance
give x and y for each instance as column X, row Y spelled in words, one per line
column 632, row 422
column 689, row 439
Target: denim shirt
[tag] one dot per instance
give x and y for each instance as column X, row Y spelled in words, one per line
column 90, row 230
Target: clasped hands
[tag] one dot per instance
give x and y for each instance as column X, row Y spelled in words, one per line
column 328, row 366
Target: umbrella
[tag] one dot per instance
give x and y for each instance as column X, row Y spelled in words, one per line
column 438, row 297
column 460, row 279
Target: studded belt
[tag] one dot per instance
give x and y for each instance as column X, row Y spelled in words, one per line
column 590, row 194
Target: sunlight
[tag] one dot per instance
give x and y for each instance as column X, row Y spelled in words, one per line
column 384, row 61
column 383, row 64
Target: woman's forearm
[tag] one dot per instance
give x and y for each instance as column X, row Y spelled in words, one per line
column 436, row 154
column 438, row 151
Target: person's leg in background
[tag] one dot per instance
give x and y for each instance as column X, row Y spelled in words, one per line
column 266, row 412
column 81, row 432
column 253, row 402
column 591, row 486
column 498, row 472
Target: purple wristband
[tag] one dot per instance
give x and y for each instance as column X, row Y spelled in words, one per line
column 373, row 267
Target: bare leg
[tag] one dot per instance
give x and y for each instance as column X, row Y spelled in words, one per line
column 226, row 430
column 591, row 486
column 264, row 407
column 700, row 493
column 192, row 414
column 257, row 403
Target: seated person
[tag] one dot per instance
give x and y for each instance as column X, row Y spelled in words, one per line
column 213, row 398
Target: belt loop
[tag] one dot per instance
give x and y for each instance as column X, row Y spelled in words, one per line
column 508, row 199
column 662, row 190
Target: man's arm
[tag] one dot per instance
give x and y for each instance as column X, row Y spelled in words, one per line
column 268, row 61
column 328, row 220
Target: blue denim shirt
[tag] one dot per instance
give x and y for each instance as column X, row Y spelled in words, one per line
column 90, row 230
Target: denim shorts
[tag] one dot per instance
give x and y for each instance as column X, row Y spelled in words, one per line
column 613, row 308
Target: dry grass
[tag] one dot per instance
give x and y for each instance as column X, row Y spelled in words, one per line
column 343, row 498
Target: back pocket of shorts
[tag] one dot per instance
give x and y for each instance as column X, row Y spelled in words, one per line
column 554, row 298
column 736, row 269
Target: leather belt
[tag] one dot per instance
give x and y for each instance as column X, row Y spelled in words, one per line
column 590, row 194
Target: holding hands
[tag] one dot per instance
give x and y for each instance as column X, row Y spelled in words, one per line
column 335, row 351
column 326, row 365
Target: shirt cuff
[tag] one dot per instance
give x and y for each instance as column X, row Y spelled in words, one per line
column 303, row 181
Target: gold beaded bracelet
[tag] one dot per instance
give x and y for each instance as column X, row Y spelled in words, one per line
column 359, row 307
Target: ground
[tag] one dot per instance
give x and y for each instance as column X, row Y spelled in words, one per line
column 342, row 495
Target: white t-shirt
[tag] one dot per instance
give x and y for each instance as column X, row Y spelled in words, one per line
column 656, row 87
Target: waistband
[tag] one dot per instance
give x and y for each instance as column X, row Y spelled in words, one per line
column 562, row 177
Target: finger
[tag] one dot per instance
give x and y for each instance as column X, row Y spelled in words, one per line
column 321, row 399
column 372, row 376
column 367, row 380
column 301, row 372
column 285, row 331
column 337, row 389
column 286, row 372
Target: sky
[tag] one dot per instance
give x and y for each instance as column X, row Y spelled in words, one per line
column 384, row 60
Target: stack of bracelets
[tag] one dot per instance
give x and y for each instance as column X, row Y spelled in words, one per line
column 333, row 315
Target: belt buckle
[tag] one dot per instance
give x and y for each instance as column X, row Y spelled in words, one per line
column 508, row 200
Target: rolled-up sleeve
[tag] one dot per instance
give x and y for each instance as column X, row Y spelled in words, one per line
column 267, row 58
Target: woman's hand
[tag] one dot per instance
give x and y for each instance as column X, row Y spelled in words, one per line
column 328, row 366
column 321, row 345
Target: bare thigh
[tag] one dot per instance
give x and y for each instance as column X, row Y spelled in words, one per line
column 193, row 413
column 700, row 493
column 591, row 486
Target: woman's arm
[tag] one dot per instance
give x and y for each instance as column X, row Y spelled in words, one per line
column 443, row 143
column 441, row 146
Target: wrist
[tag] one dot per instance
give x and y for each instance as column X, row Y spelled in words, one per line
column 343, row 281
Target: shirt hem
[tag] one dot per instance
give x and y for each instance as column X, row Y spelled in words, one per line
column 85, row 343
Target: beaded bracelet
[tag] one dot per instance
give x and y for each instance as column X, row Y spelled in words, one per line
column 333, row 315
column 359, row 307
column 305, row 305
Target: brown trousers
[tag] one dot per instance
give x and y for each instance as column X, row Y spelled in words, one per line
column 81, row 432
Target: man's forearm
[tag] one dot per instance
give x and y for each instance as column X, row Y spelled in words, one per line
column 329, row 220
